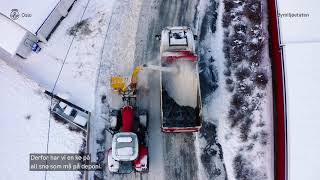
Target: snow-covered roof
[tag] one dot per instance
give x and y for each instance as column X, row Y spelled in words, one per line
column 68, row 110
column 82, row 121
column 11, row 35
column 39, row 11
column 299, row 29
column 301, row 39
column 303, row 98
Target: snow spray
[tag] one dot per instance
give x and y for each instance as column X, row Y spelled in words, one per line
column 182, row 84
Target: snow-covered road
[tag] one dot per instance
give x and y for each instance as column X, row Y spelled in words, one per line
column 181, row 152
column 179, row 160
column 130, row 42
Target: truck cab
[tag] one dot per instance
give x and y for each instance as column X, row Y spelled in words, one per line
column 175, row 39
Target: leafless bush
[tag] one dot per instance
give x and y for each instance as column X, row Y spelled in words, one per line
column 261, row 79
column 228, row 63
column 227, row 72
column 226, row 21
column 252, row 10
column 58, row 119
column 244, row 169
column 237, row 100
column 74, row 128
column 253, row 104
column 261, row 124
column 229, row 81
column 264, row 137
column 250, row 147
column 245, row 89
column 230, row 87
column 28, row 117
column 230, row 84
column 235, row 117
column 242, row 73
column 240, row 28
column 255, row 58
column 237, row 55
column 255, row 137
column 228, row 6
column 245, row 129
column 81, row 28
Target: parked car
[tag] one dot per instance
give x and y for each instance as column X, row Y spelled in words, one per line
column 70, row 114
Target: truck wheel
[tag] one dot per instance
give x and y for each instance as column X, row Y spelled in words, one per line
column 143, row 119
column 158, row 37
column 114, row 119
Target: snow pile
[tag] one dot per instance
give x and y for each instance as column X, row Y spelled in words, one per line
column 182, row 86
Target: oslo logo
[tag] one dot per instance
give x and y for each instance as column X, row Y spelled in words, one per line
column 14, row 14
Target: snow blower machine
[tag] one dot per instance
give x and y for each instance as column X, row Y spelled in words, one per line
column 128, row 126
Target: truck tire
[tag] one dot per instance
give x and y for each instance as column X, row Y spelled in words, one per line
column 143, row 119
column 113, row 119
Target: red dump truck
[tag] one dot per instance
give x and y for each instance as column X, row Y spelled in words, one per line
column 178, row 47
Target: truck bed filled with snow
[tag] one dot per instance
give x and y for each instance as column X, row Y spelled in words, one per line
column 180, row 95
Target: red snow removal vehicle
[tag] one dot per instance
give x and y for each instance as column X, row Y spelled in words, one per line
column 181, row 106
column 129, row 128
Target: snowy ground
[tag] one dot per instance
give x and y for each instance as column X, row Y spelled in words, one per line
column 24, row 127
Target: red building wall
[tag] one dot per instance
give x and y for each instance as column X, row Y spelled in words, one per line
column 279, row 94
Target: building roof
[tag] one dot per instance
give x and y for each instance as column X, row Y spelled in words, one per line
column 303, row 98
column 299, row 29
column 39, row 11
column 11, row 34
column 301, row 39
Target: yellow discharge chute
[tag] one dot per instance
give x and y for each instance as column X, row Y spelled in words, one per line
column 122, row 84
